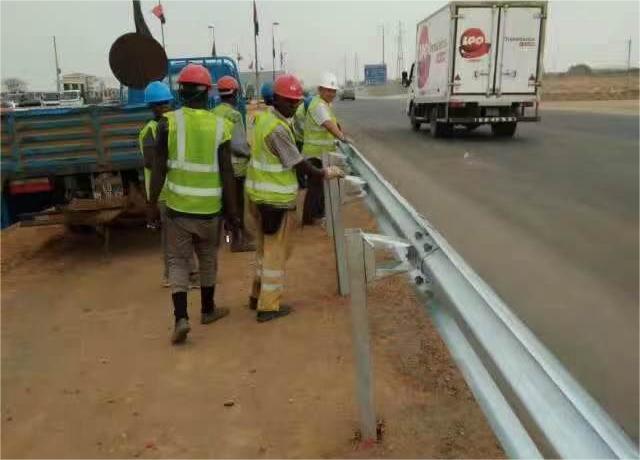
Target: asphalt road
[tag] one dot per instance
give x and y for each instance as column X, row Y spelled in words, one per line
column 549, row 219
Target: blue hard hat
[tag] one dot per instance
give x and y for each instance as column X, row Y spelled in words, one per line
column 307, row 101
column 266, row 90
column 157, row 92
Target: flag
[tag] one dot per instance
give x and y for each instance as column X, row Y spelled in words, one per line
column 157, row 10
column 255, row 19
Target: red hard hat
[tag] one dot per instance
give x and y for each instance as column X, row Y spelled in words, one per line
column 195, row 74
column 227, row 85
column 288, row 86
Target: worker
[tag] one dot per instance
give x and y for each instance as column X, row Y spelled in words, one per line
column 158, row 97
column 193, row 154
column 298, row 120
column 272, row 189
column 228, row 88
column 321, row 129
column 266, row 91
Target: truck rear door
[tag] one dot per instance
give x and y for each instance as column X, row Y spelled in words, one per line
column 519, row 49
column 475, row 52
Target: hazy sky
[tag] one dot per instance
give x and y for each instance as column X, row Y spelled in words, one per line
column 316, row 35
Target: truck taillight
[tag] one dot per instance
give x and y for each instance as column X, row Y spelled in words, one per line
column 19, row 187
column 456, row 104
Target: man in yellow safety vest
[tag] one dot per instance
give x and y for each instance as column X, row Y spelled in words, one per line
column 272, row 189
column 321, row 129
column 193, row 154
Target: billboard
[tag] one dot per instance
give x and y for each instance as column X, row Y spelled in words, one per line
column 375, row 74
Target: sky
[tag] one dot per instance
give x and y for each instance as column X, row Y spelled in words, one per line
column 316, row 36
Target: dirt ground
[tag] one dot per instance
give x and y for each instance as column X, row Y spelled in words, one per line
column 590, row 87
column 88, row 370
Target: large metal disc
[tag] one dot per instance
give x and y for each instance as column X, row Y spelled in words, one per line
column 136, row 60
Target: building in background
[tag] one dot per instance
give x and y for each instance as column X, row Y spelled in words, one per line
column 91, row 88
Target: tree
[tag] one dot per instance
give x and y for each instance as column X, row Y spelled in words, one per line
column 14, row 85
column 579, row 69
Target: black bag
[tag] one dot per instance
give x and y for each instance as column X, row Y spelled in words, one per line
column 271, row 218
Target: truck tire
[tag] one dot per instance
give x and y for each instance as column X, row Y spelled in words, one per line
column 504, row 129
column 415, row 124
column 439, row 129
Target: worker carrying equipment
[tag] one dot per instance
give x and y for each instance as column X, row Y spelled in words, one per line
column 193, row 154
column 272, row 190
column 228, row 88
column 321, row 129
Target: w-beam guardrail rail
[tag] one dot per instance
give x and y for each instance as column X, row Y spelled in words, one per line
column 532, row 403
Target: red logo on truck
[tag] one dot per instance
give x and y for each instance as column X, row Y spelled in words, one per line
column 473, row 44
column 424, row 57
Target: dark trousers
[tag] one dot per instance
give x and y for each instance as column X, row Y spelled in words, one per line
column 314, row 200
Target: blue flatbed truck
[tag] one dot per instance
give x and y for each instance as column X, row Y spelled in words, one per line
column 82, row 166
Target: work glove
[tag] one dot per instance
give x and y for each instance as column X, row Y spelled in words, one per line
column 333, row 172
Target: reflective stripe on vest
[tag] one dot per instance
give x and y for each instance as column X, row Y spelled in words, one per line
column 317, row 139
column 268, row 180
column 228, row 112
column 194, row 185
column 151, row 126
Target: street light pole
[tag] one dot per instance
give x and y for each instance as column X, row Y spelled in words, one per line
column 55, row 53
column 273, row 48
column 213, row 40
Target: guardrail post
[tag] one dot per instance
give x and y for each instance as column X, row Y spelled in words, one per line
column 363, row 268
column 335, row 225
column 360, row 331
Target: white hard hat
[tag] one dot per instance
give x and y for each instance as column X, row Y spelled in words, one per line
column 329, row 81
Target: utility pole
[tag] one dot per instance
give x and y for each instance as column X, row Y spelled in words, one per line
column 58, row 71
column 355, row 70
column 383, row 44
column 629, row 63
column 161, row 25
column 273, row 48
column 213, row 40
column 345, row 70
column 400, row 53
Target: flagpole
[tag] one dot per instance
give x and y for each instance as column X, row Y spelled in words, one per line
column 255, row 49
column 162, row 27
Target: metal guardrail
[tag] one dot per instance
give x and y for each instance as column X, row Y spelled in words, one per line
column 534, row 406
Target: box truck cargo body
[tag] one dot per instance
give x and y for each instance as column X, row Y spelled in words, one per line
column 477, row 63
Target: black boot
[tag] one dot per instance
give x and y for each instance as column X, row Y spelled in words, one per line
column 181, row 328
column 209, row 312
column 264, row 316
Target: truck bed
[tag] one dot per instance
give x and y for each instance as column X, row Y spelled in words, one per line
column 63, row 141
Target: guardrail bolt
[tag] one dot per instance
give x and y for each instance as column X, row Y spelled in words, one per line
column 418, row 236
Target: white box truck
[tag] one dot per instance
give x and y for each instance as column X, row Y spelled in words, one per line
column 477, row 63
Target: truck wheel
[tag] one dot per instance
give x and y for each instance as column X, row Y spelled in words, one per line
column 439, row 129
column 415, row 124
column 504, row 129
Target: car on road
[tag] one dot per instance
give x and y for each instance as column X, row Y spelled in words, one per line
column 348, row 93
